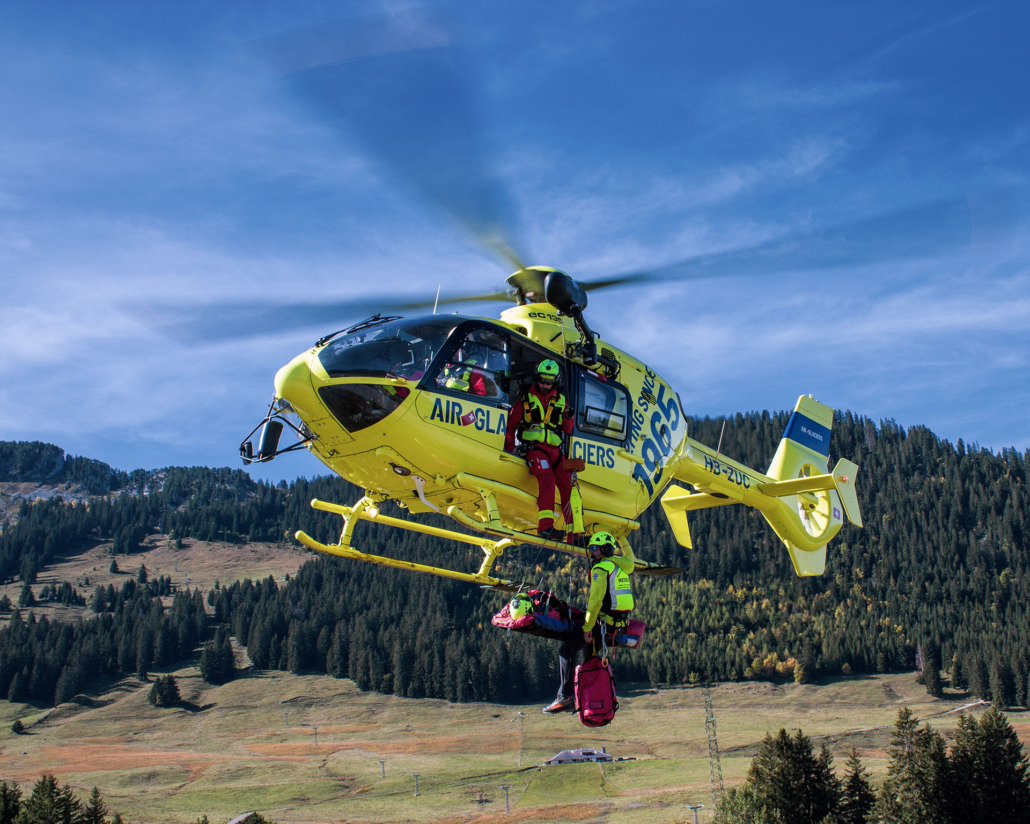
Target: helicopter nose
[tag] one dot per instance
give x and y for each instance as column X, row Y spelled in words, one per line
column 293, row 384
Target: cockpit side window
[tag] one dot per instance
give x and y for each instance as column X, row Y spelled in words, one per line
column 478, row 363
column 603, row 408
column 400, row 349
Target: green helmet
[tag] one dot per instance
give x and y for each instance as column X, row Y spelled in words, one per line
column 547, row 369
column 605, row 542
column 519, row 607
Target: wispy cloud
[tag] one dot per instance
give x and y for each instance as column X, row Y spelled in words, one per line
column 155, row 161
column 929, row 352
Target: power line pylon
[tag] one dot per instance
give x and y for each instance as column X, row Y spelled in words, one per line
column 714, row 764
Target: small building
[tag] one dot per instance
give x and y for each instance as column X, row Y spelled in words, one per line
column 580, row 756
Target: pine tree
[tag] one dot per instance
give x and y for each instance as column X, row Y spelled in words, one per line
column 210, row 668
column 297, row 642
column 913, row 792
column 1000, row 684
column 217, row 665
column 154, row 695
column 826, row 786
column 857, row 798
column 50, row 803
column 791, row 782
column 18, row 691
column 164, row 692
column 988, row 771
column 958, row 672
column 742, row 805
column 931, row 674
column 95, row 811
column 144, row 654
column 336, row 656
column 26, row 598
column 29, row 570
column 67, row 684
column 10, row 802
column 258, row 642
column 170, row 696
column 1019, row 684
column 976, row 674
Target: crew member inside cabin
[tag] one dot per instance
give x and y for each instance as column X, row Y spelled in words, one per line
column 542, row 420
column 464, row 373
column 608, row 608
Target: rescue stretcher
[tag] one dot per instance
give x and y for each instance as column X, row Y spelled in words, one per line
column 536, row 612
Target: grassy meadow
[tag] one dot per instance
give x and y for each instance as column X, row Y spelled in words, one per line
column 316, row 749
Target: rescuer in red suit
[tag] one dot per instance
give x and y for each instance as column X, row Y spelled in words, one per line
column 542, row 418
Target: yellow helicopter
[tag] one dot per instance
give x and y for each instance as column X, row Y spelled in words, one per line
column 379, row 405
column 377, row 402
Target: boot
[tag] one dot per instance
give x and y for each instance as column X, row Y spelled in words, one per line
column 560, row 705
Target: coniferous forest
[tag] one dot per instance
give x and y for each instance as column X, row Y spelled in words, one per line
column 937, row 580
column 984, row 777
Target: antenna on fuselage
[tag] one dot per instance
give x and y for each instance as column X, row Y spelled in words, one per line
column 437, row 301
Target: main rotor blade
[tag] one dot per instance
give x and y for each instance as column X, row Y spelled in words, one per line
column 399, row 83
column 194, row 324
column 929, row 230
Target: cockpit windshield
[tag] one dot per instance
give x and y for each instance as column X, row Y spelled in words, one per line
column 399, row 349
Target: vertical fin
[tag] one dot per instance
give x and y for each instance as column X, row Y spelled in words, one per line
column 806, row 441
column 844, row 481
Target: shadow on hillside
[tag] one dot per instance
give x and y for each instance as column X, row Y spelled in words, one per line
column 90, row 702
column 189, row 706
column 827, row 680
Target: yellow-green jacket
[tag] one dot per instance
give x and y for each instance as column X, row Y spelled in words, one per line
column 610, row 576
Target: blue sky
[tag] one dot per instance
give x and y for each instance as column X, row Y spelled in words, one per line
column 152, row 156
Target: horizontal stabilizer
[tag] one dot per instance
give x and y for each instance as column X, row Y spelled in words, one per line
column 677, row 502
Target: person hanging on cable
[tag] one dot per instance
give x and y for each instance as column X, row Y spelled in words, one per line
column 542, row 419
column 608, row 608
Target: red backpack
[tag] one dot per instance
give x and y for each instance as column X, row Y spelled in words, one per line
column 595, row 692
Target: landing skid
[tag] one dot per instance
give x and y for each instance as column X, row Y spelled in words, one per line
column 367, row 509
